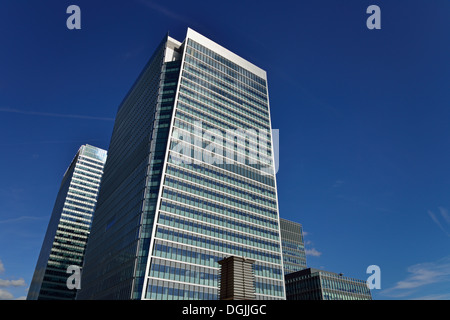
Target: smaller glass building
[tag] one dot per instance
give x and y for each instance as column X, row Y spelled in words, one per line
column 293, row 247
column 314, row 284
column 69, row 227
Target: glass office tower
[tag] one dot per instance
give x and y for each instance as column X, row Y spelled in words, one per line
column 69, row 226
column 294, row 256
column 189, row 180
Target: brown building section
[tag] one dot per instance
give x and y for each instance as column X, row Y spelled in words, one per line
column 237, row 279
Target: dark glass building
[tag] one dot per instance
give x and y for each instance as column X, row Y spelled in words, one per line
column 68, row 230
column 314, row 284
column 189, row 180
column 294, row 257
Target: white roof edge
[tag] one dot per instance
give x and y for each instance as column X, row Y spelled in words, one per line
column 201, row 39
column 178, row 43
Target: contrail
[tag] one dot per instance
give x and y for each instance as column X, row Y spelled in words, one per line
column 59, row 115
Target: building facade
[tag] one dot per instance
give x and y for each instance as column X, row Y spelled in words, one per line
column 314, row 284
column 69, row 227
column 294, row 257
column 190, row 180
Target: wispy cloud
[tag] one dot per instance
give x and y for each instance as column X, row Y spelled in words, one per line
column 48, row 142
column 21, row 218
column 445, row 224
column 444, row 296
column 58, row 115
column 445, row 215
column 166, row 11
column 420, row 276
column 338, row 183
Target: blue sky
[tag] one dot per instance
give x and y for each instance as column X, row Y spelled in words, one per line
column 363, row 117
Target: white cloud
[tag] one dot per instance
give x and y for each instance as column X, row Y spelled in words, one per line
column 310, row 252
column 420, row 276
column 313, row 252
column 12, row 283
column 5, row 295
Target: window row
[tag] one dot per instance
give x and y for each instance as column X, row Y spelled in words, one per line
column 233, row 66
column 217, row 220
column 85, row 173
column 216, row 143
column 89, row 168
column 199, row 256
column 208, row 121
column 87, row 162
column 218, row 208
column 171, row 270
column 215, row 232
column 240, row 102
column 199, row 69
column 211, row 244
column 345, row 286
column 234, row 200
column 237, row 139
column 166, row 290
column 233, row 174
column 218, row 185
column 342, row 296
column 187, row 154
column 270, row 287
column 81, row 209
column 200, row 94
column 254, row 89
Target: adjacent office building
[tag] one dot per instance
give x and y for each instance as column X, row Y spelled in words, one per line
column 294, row 256
column 314, row 284
column 69, row 226
column 304, row 283
column 189, row 180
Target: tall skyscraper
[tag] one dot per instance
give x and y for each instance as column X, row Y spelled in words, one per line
column 294, row 256
column 68, row 230
column 189, row 180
